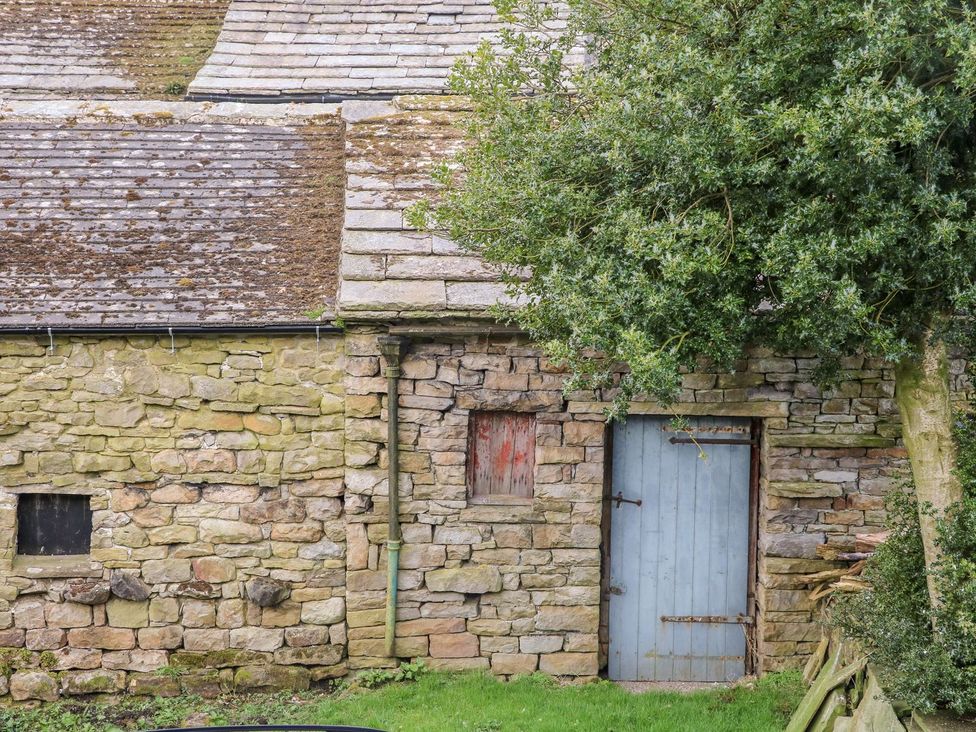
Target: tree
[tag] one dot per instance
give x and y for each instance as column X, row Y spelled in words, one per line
column 732, row 172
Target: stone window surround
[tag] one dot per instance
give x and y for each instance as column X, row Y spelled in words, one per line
column 495, row 499
column 49, row 567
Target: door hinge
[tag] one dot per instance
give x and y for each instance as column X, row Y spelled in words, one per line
column 730, row 619
column 712, row 441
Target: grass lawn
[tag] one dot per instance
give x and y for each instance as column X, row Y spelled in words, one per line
column 448, row 703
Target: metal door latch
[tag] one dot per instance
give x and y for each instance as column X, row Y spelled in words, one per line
column 614, row 590
column 619, row 498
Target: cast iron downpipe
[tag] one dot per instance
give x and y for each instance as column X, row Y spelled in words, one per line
column 392, row 349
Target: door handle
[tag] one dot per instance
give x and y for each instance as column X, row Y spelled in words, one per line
column 619, row 498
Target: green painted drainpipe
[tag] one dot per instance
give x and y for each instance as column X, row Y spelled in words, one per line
column 392, row 349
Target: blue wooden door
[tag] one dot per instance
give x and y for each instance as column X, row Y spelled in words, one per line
column 679, row 561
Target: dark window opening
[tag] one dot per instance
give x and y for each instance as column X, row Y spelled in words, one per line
column 53, row 524
column 501, row 457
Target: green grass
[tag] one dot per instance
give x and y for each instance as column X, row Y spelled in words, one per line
column 451, row 703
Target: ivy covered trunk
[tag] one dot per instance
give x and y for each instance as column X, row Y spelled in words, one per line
column 922, row 393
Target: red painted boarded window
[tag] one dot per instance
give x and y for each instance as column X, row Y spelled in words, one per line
column 501, row 457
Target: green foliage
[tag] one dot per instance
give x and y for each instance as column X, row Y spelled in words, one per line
column 440, row 702
column 407, row 671
column 922, row 667
column 315, row 313
column 725, row 172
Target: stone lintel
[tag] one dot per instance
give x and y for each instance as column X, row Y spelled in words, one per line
column 71, row 565
column 73, row 489
column 494, row 513
column 705, row 409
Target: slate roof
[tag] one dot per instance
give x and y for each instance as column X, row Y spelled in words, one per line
column 167, row 213
column 104, row 48
column 343, row 47
column 389, row 270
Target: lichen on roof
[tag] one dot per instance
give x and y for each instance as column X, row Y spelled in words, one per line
column 346, row 47
column 100, row 48
column 137, row 213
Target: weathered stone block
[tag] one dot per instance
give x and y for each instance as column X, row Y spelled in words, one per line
column 281, row 511
column 792, row 544
column 167, row 637
column 324, row 612
column 68, row 615
column 422, row 556
column 257, row 639
column 803, row 489
column 160, row 571
column 473, row 579
column 424, row 626
column 454, row 645
column 197, row 589
column 305, row 636
column 327, row 655
column 284, row 615
column 127, row 586
column 41, row 639
column 87, row 592
column 102, row 637
column 27, row 685
column 127, row 614
column 223, row 531
column 206, row 640
column 266, row 592
column 199, row 614
column 153, row 685
column 110, row 413
column 137, row 660
column 569, row 664
column 580, row 619
column 514, row 663
column 264, row 678
column 376, row 647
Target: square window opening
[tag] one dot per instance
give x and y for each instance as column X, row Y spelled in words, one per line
column 53, row 524
column 501, row 457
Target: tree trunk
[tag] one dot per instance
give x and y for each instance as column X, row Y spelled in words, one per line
column 922, row 393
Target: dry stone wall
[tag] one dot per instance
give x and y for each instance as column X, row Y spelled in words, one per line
column 827, row 459
column 513, row 588
column 214, row 467
column 238, row 488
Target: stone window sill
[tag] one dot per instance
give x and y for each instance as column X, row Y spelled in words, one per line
column 68, row 565
column 499, row 501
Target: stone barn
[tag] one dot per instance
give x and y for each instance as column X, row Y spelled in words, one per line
column 254, row 427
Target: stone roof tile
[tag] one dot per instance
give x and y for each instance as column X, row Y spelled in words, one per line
column 343, row 47
column 168, row 213
column 104, row 48
column 387, row 269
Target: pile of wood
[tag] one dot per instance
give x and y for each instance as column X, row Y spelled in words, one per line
column 844, row 694
column 844, row 579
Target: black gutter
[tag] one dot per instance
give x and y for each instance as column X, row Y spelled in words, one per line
column 285, row 329
column 303, row 98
